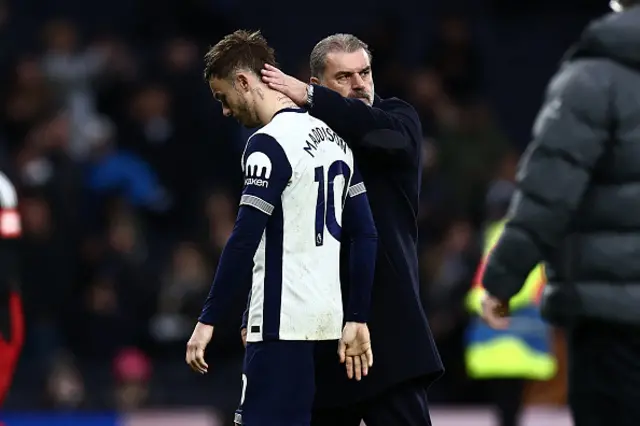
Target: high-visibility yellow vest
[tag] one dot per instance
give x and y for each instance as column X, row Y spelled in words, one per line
column 523, row 350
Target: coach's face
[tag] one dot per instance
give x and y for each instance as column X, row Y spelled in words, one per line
column 349, row 74
column 236, row 97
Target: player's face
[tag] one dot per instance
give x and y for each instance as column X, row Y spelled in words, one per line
column 350, row 75
column 236, row 99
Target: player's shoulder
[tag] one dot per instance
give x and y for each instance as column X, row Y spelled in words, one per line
column 279, row 136
column 290, row 127
column 286, row 124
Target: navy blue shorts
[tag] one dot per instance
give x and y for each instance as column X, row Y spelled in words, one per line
column 278, row 384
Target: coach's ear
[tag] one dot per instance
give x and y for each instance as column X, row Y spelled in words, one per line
column 391, row 145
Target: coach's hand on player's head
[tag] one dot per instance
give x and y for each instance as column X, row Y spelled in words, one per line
column 289, row 86
column 196, row 345
column 495, row 312
column 354, row 349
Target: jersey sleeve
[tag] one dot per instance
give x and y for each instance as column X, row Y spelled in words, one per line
column 267, row 172
column 359, row 225
column 356, row 186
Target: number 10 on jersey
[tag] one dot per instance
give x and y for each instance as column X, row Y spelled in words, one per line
column 325, row 204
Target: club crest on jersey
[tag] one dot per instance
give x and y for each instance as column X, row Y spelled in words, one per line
column 257, row 170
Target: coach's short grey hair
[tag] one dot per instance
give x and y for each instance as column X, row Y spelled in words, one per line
column 347, row 43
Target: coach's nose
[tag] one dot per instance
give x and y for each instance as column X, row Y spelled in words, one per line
column 357, row 82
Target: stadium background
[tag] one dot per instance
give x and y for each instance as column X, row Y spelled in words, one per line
column 129, row 175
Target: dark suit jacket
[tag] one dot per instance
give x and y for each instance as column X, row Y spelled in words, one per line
column 386, row 140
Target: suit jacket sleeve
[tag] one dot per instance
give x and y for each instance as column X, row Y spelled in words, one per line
column 360, row 124
column 570, row 134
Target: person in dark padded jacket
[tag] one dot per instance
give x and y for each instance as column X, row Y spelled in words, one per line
column 578, row 209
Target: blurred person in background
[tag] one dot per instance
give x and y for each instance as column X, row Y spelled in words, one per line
column 116, row 171
column 183, row 287
column 11, row 315
column 65, row 389
column 505, row 359
column 72, row 70
column 386, row 138
column 447, row 266
column 577, row 208
column 132, row 372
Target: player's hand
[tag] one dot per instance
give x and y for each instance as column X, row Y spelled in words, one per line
column 199, row 340
column 243, row 335
column 354, row 349
column 289, row 86
column 495, row 312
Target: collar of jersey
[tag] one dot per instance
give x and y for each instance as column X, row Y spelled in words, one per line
column 290, row 110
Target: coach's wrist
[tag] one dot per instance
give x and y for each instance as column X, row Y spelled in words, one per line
column 308, row 100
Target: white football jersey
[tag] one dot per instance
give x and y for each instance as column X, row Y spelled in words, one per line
column 298, row 171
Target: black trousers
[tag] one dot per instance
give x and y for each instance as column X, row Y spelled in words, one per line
column 506, row 397
column 604, row 374
column 402, row 405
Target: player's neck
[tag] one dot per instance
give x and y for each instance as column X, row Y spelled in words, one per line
column 274, row 102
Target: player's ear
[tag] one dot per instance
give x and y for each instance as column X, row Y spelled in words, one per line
column 242, row 82
column 314, row 80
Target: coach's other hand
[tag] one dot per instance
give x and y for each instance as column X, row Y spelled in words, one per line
column 196, row 345
column 495, row 312
column 243, row 335
column 289, row 86
column 354, row 349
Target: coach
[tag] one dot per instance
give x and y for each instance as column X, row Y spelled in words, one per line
column 578, row 209
column 386, row 137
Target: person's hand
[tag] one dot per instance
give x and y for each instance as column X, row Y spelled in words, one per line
column 243, row 335
column 354, row 350
column 289, row 86
column 198, row 342
column 495, row 312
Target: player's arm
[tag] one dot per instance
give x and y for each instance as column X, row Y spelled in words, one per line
column 267, row 173
column 354, row 348
column 263, row 157
column 258, row 201
column 395, row 131
column 358, row 224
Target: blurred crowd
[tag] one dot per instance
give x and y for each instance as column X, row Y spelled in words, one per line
column 129, row 177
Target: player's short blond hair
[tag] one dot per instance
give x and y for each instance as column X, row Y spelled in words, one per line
column 239, row 50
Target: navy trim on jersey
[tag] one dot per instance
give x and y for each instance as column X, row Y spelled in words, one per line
column 274, row 236
column 237, row 256
column 358, row 224
column 298, row 110
column 267, row 173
